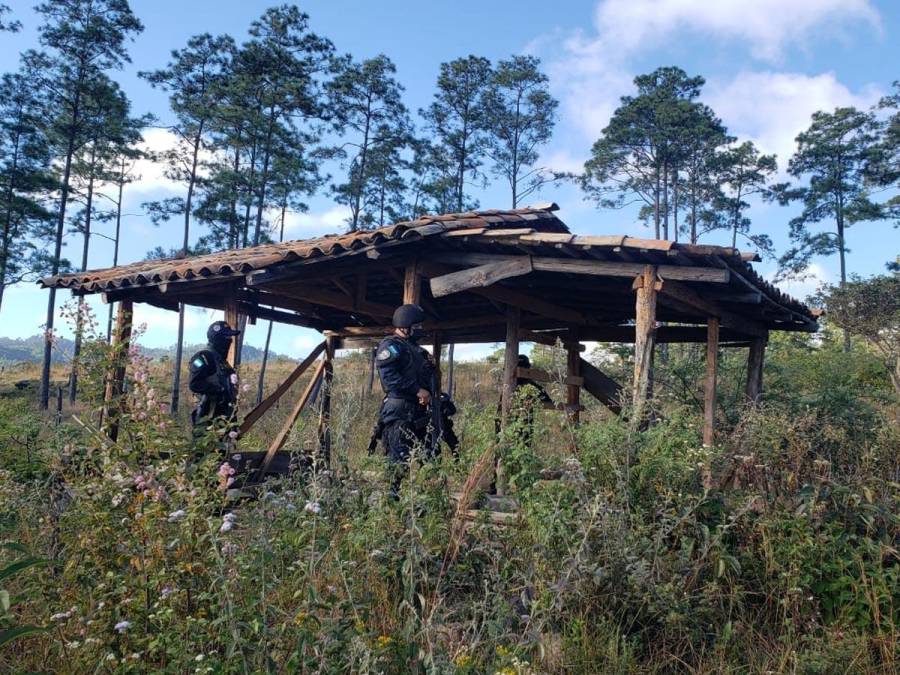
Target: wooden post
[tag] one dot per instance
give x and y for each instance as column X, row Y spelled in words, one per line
column 115, row 382
column 232, row 318
column 508, row 393
column 325, row 409
column 436, row 348
column 712, row 363
column 573, row 391
column 755, row 369
column 644, row 338
column 370, row 379
column 450, row 368
column 412, row 284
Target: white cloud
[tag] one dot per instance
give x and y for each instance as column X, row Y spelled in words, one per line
column 152, row 174
column 316, row 224
column 807, row 284
column 766, row 26
column 771, row 108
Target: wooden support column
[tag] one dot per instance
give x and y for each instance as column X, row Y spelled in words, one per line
column 573, row 391
column 370, row 377
column 510, row 366
column 755, row 369
column 233, row 319
column 324, row 432
column 450, row 368
column 712, row 364
column 646, row 287
column 115, row 381
column 436, row 348
column 412, row 284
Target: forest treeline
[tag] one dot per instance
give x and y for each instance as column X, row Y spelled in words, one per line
column 255, row 121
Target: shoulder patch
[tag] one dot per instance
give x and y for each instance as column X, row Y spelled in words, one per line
column 199, row 362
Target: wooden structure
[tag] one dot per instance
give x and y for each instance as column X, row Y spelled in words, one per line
column 489, row 276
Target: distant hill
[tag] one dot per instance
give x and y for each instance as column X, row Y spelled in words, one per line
column 31, row 349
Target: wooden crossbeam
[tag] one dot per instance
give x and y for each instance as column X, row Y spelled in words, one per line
column 318, row 296
column 687, row 296
column 480, row 276
column 540, row 375
column 709, row 397
column 285, row 431
column 601, row 386
column 270, row 400
column 604, row 268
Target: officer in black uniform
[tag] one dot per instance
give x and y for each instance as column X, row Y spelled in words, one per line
column 407, row 375
column 213, row 378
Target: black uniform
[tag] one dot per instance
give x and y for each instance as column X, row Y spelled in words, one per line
column 403, row 368
column 211, row 377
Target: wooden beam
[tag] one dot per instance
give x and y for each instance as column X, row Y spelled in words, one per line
column 539, row 375
column 508, row 393
column 479, row 277
column 709, row 389
column 602, row 387
column 603, row 268
column 755, row 369
column 644, row 339
column 285, row 431
column 437, row 345
column 573, row 392
column 233, row 319
column 318, row 296
column 264, row 405
column 324, row 429
column 412, row 284
column 115, row 379
column 687, row 296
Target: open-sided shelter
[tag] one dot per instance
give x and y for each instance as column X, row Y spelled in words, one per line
column 487, row 276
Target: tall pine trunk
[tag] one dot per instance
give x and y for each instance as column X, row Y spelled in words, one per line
column 79, row 318
column 261, row 382
column 843, row 260
column 188, row 206
column 109, row 318
column 57, row 253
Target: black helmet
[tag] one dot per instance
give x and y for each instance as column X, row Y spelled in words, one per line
column 220, row 330
column 524, row 361
column 406, row 316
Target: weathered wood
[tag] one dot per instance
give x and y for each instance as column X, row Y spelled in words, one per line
column 479, row 277
column 450, row 369
column 539, row 375
column 755, row 360
column 573, row 392
column 285, row 431
column 644, row 338
column 602, row 268
column 602, row 387
column 324, row 429
column 508, row 392
column 115, row 380
column 253, row 416
column 233, row 317
column 370, row 377
column 437, row 346
column 709, row 389
column 335, row 300
column 412, row 284
column 709, row 307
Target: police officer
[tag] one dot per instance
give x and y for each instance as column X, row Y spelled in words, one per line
column 407, row 373
column 213, row 378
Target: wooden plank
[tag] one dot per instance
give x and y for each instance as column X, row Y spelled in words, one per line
column 647, row 244
column 599, row 241
column 755, row 369
column 115, row 380
column 253, row 416
column 606, row 268
column 285, row 431
column 437, row 346
column 340, row 301
column 233, row 319
column 539, row 375
column 412, row 284
column 709, row 307
column 602, row 387
column 547, row 238
column 479, row 277
column 644, row 339
column 709, row 389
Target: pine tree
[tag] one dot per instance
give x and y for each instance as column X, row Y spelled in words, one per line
column 85, row 39
column 6, row 24
column 25, row 181
column 366, row 100
column 745, row 172
column 832, row 155
column 194, row 79
column 456, row 120
column 519, row 116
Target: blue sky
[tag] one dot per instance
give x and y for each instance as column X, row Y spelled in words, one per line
column 768, row 63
